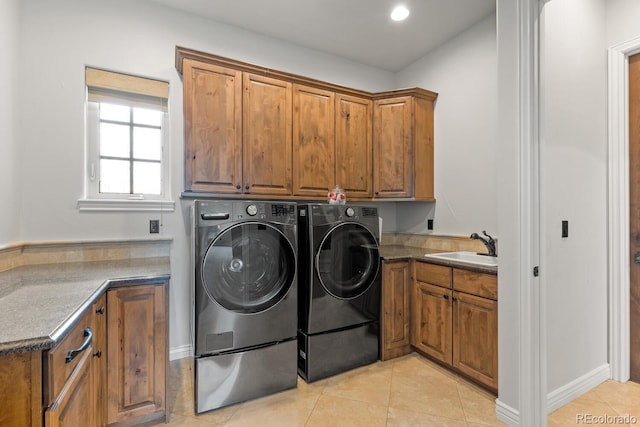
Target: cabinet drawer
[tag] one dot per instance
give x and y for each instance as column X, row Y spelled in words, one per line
column 481, row 284
column 58, row 370
column 432, row 273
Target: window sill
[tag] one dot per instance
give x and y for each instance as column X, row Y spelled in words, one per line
column 121, row 205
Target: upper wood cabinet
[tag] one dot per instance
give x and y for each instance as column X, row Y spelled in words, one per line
column 267, row 135
column 331, row 143
column 354, row 160
column 251, row 130
column 212, row 128
column 403, row 145
column 313, row 141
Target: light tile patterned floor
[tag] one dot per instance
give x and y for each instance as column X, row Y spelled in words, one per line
column 408, row 391
column 610, row 399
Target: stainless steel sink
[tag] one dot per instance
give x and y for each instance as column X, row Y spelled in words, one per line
column 466, row 257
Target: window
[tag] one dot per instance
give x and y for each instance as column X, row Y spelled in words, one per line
column 127, row 161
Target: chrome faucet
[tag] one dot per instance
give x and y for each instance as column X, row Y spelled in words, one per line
column 488, row 242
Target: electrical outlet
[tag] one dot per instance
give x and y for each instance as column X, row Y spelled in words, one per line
column 429, row 224
column 565, row 229
column 154, row 226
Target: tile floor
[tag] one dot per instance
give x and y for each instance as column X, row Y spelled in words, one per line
column 408, row 391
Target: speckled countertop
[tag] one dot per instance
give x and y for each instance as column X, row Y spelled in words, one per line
column 39, row 303
column 399, row 252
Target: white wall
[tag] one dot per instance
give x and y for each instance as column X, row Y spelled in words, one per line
column 463, row 72
column 57, row 40
column 621, row 20
column 9, row 191
column 574, row 188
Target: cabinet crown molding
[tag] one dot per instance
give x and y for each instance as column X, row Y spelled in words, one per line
column 186, row 53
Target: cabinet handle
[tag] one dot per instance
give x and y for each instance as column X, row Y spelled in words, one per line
column 445, row 296
column 98, row 354
column 100, row 310
column 73, row 353
column 454, row 299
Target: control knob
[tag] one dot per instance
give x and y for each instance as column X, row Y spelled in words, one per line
column 252, row 210
column 350, row 212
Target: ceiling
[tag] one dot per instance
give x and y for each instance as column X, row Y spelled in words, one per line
column 359, row 30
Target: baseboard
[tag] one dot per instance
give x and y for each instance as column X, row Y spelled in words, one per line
column 180, row 352
column 577, row 387
column 507, row 414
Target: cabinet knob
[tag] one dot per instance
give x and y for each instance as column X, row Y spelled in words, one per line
column 376, row 193
column 445, row 296
column 246, row 187
column 98, row 354
column 238, row 187
column 100, row 310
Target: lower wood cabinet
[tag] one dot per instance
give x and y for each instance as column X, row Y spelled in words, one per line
column 21, row 389
column 137, row 353
column 455, row 320
column 396, row 310
column 109, row 368
column 73, row 373
column 432, row 331
column 475, row 332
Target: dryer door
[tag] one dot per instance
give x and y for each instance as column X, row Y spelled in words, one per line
column 249, row 268
column 347, row 262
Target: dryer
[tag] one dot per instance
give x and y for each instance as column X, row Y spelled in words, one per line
column 339, row 287
column 245, row 299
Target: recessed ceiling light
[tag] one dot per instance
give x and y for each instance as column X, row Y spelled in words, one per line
column 399, row 13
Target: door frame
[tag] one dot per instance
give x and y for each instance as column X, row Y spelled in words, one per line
column 618, row 207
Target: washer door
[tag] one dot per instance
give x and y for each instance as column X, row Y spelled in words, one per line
column 347, row 262
column 249, row 268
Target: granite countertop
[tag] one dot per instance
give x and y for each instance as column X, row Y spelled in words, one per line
column 39, row 303
column 399, row 252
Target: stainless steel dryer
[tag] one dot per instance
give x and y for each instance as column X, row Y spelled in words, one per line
column 339, row 288
column 245, row 301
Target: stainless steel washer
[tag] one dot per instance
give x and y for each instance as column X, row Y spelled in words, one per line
column 245, row 300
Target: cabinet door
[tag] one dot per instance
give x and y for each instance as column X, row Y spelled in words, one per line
column 21, row 389
column 475, row 347
column 432, row 332
column 395, row 309
column 354, row 155
column 136, row 361
column 267, row 135
column 212, row 128
column 75, row 405
column 313, row 141
column 393, row 147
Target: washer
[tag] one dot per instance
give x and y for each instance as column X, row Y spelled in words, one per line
column 339, row 289
column 245, row 296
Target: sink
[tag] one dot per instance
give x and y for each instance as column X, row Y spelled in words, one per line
column 466, row 257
